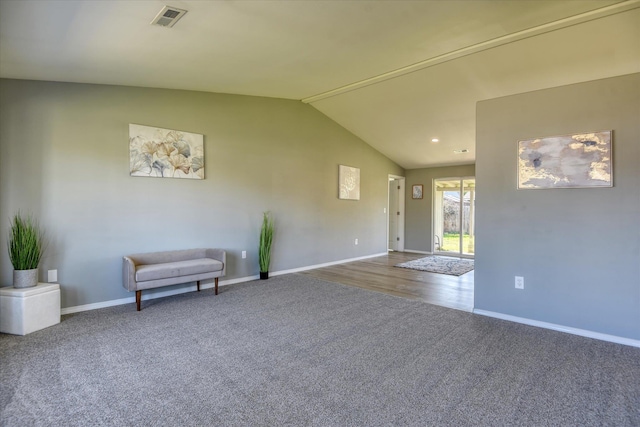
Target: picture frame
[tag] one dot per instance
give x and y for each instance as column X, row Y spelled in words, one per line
column 165, row 153
column 417, row 191
column 348, row 183
column 581, row 160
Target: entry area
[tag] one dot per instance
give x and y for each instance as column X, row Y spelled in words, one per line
column 379, row 274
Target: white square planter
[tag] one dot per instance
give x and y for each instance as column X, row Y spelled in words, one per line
column 27, row 310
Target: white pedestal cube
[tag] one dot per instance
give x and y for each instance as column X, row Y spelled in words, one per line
column 27, row 310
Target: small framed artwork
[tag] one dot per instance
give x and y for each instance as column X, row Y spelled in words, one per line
column 580, row 160
column 348, row 183
column 417, row 191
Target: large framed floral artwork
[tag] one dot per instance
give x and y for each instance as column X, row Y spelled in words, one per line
column 165, row 153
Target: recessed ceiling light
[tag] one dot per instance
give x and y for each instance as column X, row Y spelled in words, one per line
column 435, row 140
column 463, row 150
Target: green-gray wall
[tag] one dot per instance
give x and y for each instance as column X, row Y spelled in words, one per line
column 578, row 249
column 65, row 157
column 419, row 212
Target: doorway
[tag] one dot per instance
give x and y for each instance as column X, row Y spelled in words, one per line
column 395, row 214
column 454, row 216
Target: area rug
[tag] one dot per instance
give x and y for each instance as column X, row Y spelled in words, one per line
column 440, row 264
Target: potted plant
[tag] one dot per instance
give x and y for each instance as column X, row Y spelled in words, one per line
column 264, row 250
column 25, row 250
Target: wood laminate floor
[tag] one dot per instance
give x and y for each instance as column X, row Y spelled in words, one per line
column 379, row 274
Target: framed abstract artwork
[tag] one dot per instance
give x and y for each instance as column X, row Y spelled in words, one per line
column 571, row 161
column 348, row 183
column 416, row 192
column 165, row 153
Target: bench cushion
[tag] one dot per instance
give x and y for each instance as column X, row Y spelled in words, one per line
column 177, row 269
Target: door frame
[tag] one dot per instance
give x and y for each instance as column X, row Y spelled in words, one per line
column 401, row 207
column 434, row 216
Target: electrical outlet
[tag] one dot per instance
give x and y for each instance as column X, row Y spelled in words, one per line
column 356, row 241
column 244, row 254
column 52, row 276
column 384, row 210
column 519, row 282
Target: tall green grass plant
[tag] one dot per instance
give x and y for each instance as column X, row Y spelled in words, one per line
column 266, row 238
column 25, row 243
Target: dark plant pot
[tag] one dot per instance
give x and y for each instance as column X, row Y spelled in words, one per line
column 264, row 275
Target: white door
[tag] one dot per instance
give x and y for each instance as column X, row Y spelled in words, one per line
column 395, row 213
column 394, row 197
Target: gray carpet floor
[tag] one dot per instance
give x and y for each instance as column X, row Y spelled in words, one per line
column 298, row 351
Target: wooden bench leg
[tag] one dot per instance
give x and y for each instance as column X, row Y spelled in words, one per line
column 198, row 283
column 216, row 279
column 138, row 298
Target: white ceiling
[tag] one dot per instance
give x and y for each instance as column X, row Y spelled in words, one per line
column 395, row 73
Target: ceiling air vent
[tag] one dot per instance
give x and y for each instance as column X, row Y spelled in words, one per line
column 168, row 16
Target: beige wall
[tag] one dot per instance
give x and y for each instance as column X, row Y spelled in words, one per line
column 65, row 158
column 419, row 212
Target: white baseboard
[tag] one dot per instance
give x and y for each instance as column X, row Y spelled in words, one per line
column 326, row 264
column 192, row 288
column 411, row 251
column 157, row 294
column 97, row 305
column 567, row 329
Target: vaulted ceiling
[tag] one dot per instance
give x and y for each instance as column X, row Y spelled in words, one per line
column 395, row 73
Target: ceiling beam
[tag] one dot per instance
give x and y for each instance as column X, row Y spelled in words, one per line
column 623, row 6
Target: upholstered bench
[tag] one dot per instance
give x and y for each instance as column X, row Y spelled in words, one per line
column 156, row 269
